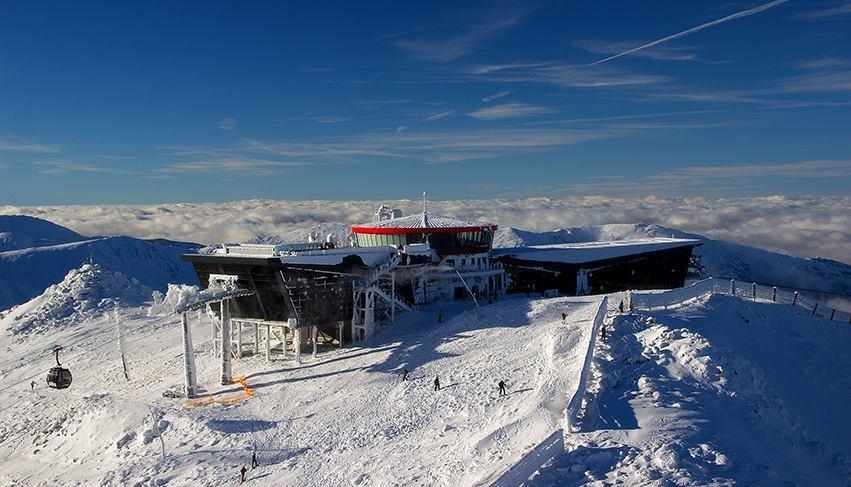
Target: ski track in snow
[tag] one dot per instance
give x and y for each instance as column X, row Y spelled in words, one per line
column 342, row 419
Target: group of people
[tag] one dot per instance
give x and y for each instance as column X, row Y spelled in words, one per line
column 243, row 470
column 403, row 376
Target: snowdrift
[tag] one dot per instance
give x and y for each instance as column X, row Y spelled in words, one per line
column 84, row 293
column 721, row 391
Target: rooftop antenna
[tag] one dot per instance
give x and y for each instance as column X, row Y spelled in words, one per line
column 425, row 218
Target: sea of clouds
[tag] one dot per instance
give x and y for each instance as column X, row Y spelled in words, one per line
column 801, row 226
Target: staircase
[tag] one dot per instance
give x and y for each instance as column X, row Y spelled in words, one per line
column 376, row 301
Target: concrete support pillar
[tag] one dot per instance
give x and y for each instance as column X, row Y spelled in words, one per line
column 340, row 325
column 268, row 345
column 225, row 368
column 189, row 384
column 296, row 341
column 313, row 332
column 256, row 339
column 214, row 331
column 239, row 339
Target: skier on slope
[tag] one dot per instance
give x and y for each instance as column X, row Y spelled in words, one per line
column 242, row 474
column 563, row 318
column 501, row 385
column 436, row 383
column 254, row 462
column 404, row 374
column 32, row 386
column 620, row 306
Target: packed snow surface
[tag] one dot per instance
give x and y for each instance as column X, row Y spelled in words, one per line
column 721, row 391
column 84, row 293
column 341, row 419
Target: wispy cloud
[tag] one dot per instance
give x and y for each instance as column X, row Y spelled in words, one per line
column 840, row 10
column 716, row 179
column 455, row 47
column 227, row 124
column 822, row 63
column 401, row 128
column 438, row 116
column 64, row 167
column 737, row 15
column 20, row 145
column 248, row 166
column 824, row 81
column 562, row 75
column 496, row 96
column 662, row 53
column 509, row 110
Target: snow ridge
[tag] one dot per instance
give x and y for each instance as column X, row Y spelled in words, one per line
column 83, row 293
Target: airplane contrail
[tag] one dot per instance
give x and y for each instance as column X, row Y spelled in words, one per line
column 698, row 28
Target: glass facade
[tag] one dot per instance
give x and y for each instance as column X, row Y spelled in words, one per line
column 437, row 241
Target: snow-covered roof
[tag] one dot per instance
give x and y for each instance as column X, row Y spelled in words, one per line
column 371, row 256
column 578, row 253
column 423, row 223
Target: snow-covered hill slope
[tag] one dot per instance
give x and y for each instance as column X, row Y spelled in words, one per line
column 25, row 273
column 84, row 293
column 722, row 391
column 342, row 419
column 22, row 232
column 720, row 258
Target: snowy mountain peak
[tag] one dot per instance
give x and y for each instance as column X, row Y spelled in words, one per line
column 84, row 292
column 22, row 232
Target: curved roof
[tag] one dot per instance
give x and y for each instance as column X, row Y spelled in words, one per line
column 423, row 223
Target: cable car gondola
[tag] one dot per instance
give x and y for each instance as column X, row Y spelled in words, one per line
column 58, row 377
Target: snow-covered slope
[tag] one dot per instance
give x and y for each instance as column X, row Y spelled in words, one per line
column 719, row 258
column 23, row 232
column 27, row 272
column 722, row 391
column 84, row 293
column 342, row 419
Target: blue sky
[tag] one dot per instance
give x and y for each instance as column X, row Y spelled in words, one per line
column 174, row 101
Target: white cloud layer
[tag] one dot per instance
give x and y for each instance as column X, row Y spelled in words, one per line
column 801, row 226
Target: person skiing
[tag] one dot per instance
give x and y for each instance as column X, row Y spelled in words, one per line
column 436, row 383
column 404, row 374
column 32, row 386
column 563, row 318
column 254, row 463
column 603, row 332
column 502, row 388
column 242, row 474
column 620, row 306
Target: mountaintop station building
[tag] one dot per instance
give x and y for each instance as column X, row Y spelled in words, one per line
column 325, row 294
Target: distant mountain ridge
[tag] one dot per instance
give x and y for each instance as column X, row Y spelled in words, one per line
column 25, row 272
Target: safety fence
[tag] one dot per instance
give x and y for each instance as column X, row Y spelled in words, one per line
column 575, row 404
column 746, row 290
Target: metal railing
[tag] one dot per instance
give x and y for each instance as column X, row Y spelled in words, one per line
column 746, row 290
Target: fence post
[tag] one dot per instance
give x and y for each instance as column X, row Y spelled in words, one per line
column 814, row 309
column 753, row 291
column 795, row 298
column 833, row 313
column 733, row 287
column 774, row 294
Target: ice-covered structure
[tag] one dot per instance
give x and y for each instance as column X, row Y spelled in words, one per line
column 322, row 294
